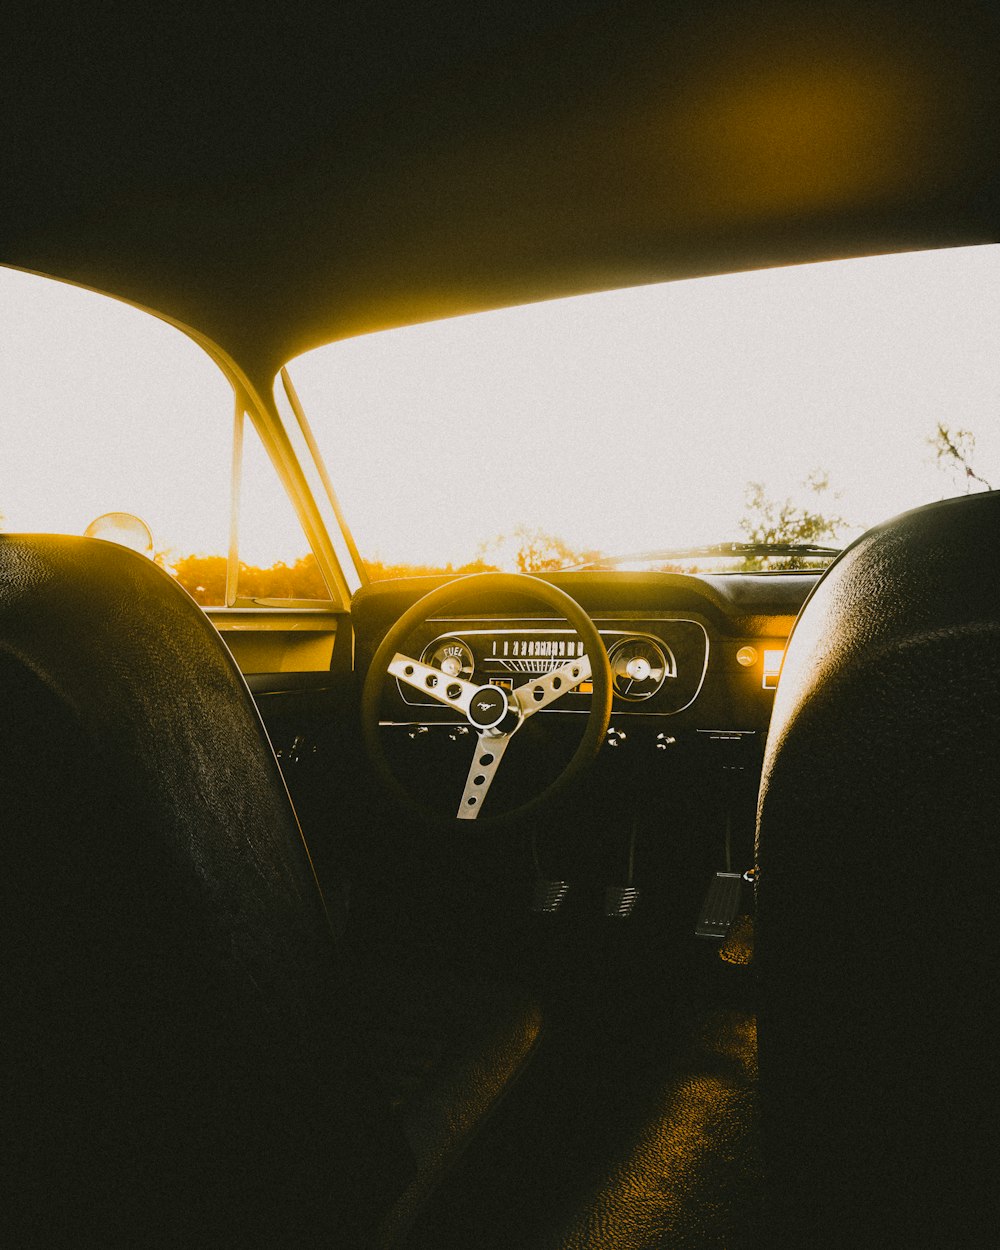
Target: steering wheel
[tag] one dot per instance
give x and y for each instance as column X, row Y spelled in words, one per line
column 494, row 713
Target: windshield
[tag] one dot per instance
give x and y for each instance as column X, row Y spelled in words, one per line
column 793, row 406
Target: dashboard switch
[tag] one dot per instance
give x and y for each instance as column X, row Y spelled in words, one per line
column 773, row 660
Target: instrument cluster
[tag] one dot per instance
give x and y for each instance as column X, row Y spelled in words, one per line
column 657, row 665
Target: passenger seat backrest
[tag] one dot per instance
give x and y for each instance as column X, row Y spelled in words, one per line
column 878, row 831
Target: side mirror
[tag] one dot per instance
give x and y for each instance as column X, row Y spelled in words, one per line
column 122, row 528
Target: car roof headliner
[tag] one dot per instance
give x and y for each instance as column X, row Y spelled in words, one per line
column 280, row 176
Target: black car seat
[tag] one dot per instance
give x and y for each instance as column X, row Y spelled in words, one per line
column 183, row 1063
column 878, row 828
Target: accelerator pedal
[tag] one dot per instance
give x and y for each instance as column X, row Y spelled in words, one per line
column 721, row 906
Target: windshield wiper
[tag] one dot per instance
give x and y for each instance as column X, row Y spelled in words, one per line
column 736, row 550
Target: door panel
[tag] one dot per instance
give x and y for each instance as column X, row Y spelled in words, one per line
column 280, row 640
column 311, row 719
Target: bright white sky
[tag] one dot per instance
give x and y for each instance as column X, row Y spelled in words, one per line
column 633, row 419
column 106, row 409
column 620, row 421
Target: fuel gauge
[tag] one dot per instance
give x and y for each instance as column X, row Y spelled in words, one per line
column 452, row 656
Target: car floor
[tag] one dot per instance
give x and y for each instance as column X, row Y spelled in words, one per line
column 612, row 1062
column 616, row 1139
column 620, row 1113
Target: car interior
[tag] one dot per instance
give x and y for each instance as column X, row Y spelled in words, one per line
column 296, row 952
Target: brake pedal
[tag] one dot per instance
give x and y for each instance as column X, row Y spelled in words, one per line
column 619, row 900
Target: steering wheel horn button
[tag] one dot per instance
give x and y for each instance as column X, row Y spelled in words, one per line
column 489, row 709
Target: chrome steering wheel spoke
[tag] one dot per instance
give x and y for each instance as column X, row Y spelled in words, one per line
column 539, row 693
column 453, row 692
column 485, row 762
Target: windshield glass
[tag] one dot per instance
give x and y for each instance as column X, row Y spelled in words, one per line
column 797, row 405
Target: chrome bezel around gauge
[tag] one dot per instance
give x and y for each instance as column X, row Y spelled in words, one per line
column 450, row 647
column 656, row 664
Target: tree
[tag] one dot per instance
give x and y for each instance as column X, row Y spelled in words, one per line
column 378, row 570
column 530, row 551
column 204, row 578
column 954, row 451
column 769, row 521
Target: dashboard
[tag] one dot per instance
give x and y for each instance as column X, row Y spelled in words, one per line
column 689, row 653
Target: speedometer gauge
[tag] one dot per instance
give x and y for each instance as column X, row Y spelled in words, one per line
column 452, row 656
column 638, row 667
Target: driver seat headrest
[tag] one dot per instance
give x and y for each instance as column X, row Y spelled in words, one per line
column 177, row 1066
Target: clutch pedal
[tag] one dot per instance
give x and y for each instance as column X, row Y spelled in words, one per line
column 547, row 896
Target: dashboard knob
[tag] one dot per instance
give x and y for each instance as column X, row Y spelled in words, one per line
column 664, row 741
column 616, row 737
